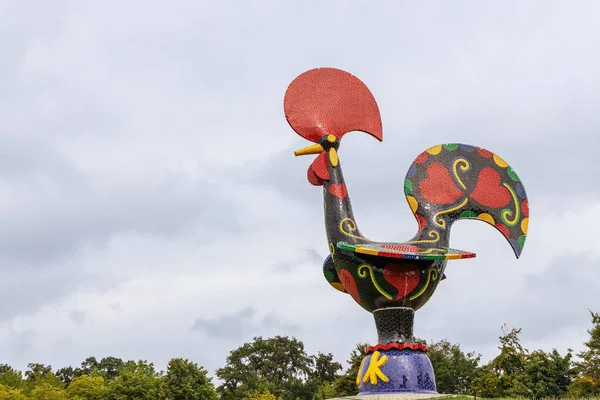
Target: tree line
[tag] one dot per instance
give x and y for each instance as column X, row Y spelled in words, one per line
column 279, row 368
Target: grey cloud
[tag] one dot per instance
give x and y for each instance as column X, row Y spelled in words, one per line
column 55, row 98
column 564, row 291
column 240, row 324
column 272, row 322
column 376, row 175
column 25, row 292
column 228, row 326
column 24, row 159
column 78, row 316
column 545, row 306
column 518, row 78
column 20, row 344
column 518, row 95
column 54, row 225
column 29, row 289
column 309, row 255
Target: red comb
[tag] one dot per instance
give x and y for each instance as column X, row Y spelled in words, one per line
column 326, row 101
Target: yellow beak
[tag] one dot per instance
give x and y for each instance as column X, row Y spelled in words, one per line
column 313, row 149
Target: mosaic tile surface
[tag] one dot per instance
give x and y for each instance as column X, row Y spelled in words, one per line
column 444, row 184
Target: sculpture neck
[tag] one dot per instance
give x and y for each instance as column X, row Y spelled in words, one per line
column 394, row 325
column 340, row 224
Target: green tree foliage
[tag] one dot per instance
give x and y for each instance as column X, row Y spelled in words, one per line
column 66, row 374
column 583, row 387
column 511, row 360
column 87, row 387
column 279, row 369
column 87, row 366
column 47, row 391
column 510, row 363
column 278, row 365
column 516, row 373
column 37, row 371
column 498, row 378
column 325, row 369
column 590, row 358
column 40, row 375
column 487, row 383
column 454, row 370
column 345, row 385
column 261, row 395
column 320, row 380
column 109, row 379
column 546, row 375
column 136, row 380
column 588, row 366
column 10, row 377
column 8, row 393
column 185, row 380
column 109, row 367
column 325, row 391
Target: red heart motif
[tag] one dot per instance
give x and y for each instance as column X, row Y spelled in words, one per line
column 349, row 285
column 422, row 222
column 338, row 190
column 489, row 190
column 404, row 277
column 421, row 158
column 525, row 208
column 484, row 153
column 438, row 187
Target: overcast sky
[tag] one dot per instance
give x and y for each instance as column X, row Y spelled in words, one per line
column 151, row 205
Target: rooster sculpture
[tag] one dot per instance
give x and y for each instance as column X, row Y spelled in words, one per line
column 445, row 183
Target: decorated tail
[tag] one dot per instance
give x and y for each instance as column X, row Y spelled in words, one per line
column 449, row 182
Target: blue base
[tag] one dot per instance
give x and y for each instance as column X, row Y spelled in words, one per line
column 408, row 371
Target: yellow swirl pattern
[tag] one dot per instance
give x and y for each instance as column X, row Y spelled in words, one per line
column 433, row 234
column 433, row 274
column 351, row 225
column 332, row 249
column 506, row 213
column 362, row 272
column 442, row 222
column 463, row 167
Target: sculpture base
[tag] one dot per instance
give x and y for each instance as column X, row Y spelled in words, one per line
column 396, row 396
column 396, row 372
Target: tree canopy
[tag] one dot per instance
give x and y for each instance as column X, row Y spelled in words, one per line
column 279, row 368
column 587, row 369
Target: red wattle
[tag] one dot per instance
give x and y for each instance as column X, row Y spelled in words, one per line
column 313, row 178
column 319, row 170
